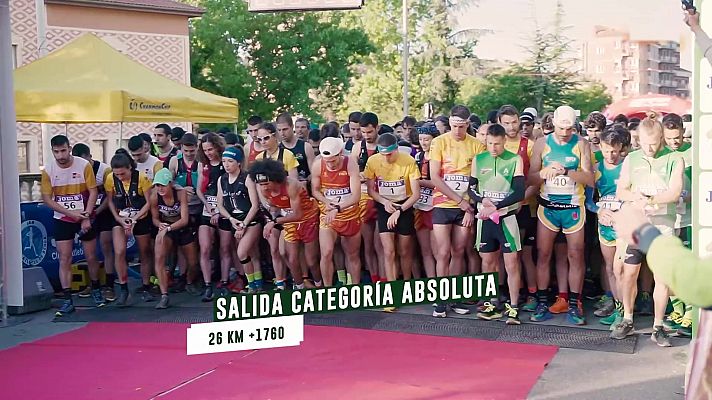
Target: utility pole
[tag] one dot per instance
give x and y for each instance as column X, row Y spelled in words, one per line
column 405, row 58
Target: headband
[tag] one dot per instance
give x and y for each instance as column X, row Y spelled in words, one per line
column 457, row 120
column 234, row 154
column 388, row 149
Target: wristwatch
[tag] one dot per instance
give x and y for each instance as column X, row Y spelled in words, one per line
column 643, row 236
column 338, row 207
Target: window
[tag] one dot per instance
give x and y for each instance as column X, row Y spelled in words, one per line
column 98, row 150
column 15, row 55
column 600, row 51
column 599, row 69
column 23, row 157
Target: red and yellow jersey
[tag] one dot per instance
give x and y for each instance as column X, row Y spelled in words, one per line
column 69, row 186
column 336, row 187
column 282, row 201
column 455, row 157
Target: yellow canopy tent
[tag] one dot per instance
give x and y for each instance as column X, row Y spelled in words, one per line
column 88, row 81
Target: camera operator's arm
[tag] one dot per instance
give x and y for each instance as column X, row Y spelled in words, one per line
column 692, row 19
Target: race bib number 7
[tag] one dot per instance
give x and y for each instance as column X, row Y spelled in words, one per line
column 338, row 195
column 74, row 202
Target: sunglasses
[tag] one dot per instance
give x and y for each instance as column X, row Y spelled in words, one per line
column 264, row 138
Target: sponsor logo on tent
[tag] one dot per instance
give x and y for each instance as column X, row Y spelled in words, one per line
column 136, row 105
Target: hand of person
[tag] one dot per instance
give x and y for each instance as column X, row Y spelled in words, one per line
column 331, row 215
column 468, row 219
column 214, row 219
column 627, row 220
column 75, row 215
column 465, row 206
column 190, row 190
column 692, row 19
column 487, row 210
column 605, row 217
column 548, row 173
column 163, row 227
column 393, row 219
column 388, row 205
column 86, row 225
column 267, row 231
column 239, row 233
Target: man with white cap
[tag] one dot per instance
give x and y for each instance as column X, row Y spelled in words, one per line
column 336, row 185
column 527, row 120
column 561, row 164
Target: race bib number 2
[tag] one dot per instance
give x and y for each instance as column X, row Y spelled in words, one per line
column 73, row 202
column 458, row 183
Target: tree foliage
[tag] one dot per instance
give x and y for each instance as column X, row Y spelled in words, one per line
column 274, row 62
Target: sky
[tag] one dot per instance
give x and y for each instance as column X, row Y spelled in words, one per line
column 512, row 24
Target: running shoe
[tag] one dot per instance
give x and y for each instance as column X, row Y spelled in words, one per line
column 178, row 286
column 645, row 304
column 308, row 284
column 163, row 303
column 147, row 296
column 673, row 321
column 489, row 313
column 530, row 305
column 98, row 298
column 541, row 313
column 560, row 306
column 123, row 299
column 459, row 308
column 440, row 311
column 109, row 293
column 207, row 294
column 685, row 328
column 512, row 314
column 389, row 309
column 67, row 308
column 623, row 329
column 606, row 308
column 611, row 319
column 603, row 300
column 660, row 337
column 575, row 317
column 192, row 289
column 86, row 292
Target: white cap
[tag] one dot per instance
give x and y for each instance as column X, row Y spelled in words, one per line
column 564, row 117
column 331, row 146
column 532, row 111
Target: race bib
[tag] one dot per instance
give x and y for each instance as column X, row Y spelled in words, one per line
column 99, row 199
column 425, row 201
column 494, row 195
column 392, row 190
column 211, row 204
column 560, row 185
column 609, row 203
column 458, row 183
column 337, row 195
column 72, row 202
column 286, row 211
column 128, row 213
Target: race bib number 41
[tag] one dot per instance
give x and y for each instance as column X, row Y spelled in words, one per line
column 74, row 202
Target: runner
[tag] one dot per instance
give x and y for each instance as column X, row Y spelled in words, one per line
column 148, row 144
column 424, row 206
column 302, row 127
column 103, row 223
column 595, row 124
column 129, row 204
column 69, row 188
column 184, row 167
column 451, row 157
column 254, row 147
column 607, row 172
column 268, row 139
column 292, row 212
column 652, row 178
column 497, row 185
column 145, row 162
column 238, row 203
column 355, row 134
column 680, row 319
column 337, row 188
column 302, row 153
column 169, row 210
column 393, row 183
column 211, row 169
column 561, row 164
column 162, row 137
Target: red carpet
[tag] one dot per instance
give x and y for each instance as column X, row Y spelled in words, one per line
column 140, row 361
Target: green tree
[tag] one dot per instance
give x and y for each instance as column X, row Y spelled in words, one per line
column 588, row 99
column 274, row 62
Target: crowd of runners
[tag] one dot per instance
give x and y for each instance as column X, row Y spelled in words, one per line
column 289, row 207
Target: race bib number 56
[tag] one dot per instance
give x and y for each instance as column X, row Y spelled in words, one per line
column 74, row 202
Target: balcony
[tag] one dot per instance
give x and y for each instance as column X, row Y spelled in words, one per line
column 667, row 83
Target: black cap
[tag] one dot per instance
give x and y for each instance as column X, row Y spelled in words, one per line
column 189, row 139
column 230, row 138
column 177, row 133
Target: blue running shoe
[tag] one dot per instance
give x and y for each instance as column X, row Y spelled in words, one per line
column 542, row 313
column 67, row 308
column 574, row 316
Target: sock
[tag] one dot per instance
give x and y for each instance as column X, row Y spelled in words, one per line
column 124, row 287
column 609, row 294
column 95, row 285
column 564, row 295
column 341, row 276
column 299, row 286
column 383, row 279
column 619, row 306
column 258, row 279
column 503, row 290
column 250, row 278
column 318, row 283
column 110, row 278
column 677, row 305
column 531, row 291
column 573, row 299
column 628, row 316
column 281, row 284
column 146, row 287
column 375, row 278
column 349, row 280
column 542, row 297
column 657, row 323
column 67, row 294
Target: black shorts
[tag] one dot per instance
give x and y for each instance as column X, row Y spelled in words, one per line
column 205, row 221
column 527, row 223
column 64, row 230
column 633, row 256
column 405, row 225
column 686, row 236
column 182, row 237
column 448, row 216
column 104, row 222
column 143, row 227
column 492, row 237
column 225, row 225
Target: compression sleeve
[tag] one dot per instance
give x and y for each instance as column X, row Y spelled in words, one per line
column 472, row 191
column 517, row 194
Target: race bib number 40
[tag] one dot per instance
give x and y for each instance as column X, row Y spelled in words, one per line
column 458, row 183
column 392, row 190
column 211, row 205
column 74, row 202
column 561, row 185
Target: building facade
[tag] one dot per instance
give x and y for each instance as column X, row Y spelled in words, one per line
column 153, row 32
column 634, row 67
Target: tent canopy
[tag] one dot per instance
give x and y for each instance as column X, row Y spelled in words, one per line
column 88, row 81
column 639, row 106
